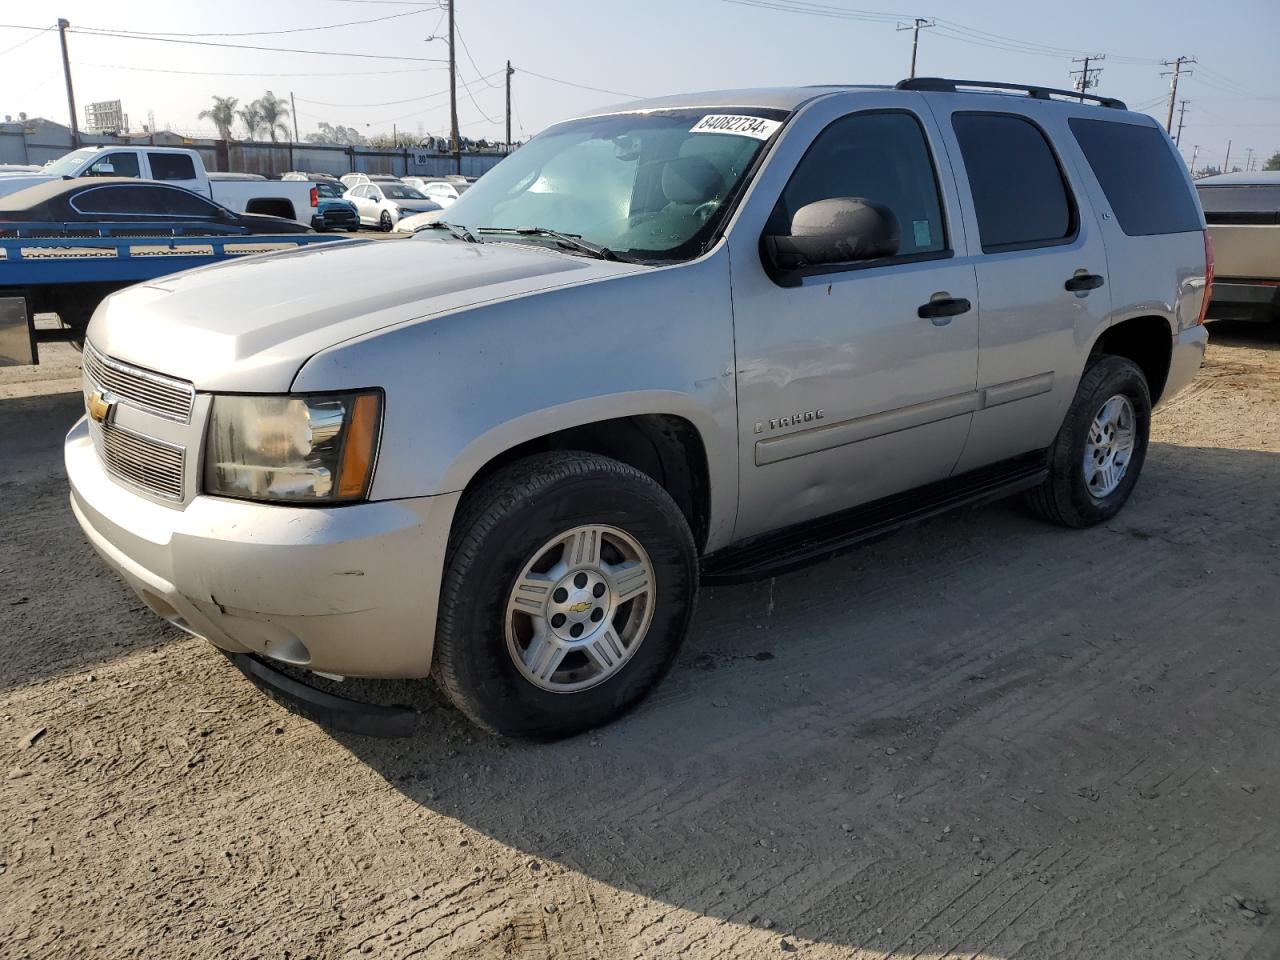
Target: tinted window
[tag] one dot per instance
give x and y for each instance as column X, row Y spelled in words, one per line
column 180, row 203
column 1018, row 192
column 1240, row 203
column 881, row 157
column 1140, row 174
column 329, row 191
column 121, row 164
column 171, row 166
column 121, row 199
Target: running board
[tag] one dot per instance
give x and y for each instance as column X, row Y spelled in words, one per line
column 804, row 543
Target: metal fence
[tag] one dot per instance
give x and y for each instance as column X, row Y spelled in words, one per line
column 19, row 144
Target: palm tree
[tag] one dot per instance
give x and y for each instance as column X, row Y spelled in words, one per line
column 274, row 111
column 223, row 115
column 251, row 117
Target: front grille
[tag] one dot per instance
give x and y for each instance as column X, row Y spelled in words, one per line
column 339, row 217
column 152, row 392
column 151, row 464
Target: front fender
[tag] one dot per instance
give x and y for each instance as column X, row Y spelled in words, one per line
column 465, row 387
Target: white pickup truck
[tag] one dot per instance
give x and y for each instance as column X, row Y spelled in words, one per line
column 180, row 167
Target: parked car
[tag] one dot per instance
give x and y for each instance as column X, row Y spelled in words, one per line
column 443, row 192
column 707, row 337
column 122, row 199
column 419, row 221
column 381, row 203
column 312, row 177
column 244, row 193
column 355, row 179
column 1243, row 213
column 335, row 212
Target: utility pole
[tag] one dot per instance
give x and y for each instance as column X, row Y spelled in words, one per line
column 509, row 73
column 1088, row 75
column 914, row 27
column 1182, row 111
column 1175, row 73
column 1195, row 152
column 294, row 108
column 1226, row 164
column 71, row 93
column 1248, row 159
column 454, row 138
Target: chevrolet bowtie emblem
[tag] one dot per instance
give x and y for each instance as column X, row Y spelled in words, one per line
column 99, row 407
column 580, row 607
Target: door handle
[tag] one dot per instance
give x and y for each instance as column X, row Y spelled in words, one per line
column 1083, row 283
column 941, row 310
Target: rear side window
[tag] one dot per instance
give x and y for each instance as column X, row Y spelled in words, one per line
column 1140, row 174
column 171, row 166
column 1019, row 194
column 882, row 157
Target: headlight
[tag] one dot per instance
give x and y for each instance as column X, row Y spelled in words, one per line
column 293, row 449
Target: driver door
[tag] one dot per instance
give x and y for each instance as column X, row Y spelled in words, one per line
column 848, row 390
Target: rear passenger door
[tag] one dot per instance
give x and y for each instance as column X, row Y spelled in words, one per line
column 1042, row 271
column 1148, row 215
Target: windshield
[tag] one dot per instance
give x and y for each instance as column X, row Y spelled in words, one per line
column 647, row 186
column 396, row 191
column 65, row 166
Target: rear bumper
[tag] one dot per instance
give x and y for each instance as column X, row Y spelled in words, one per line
column 1234, row 299
column 1184, row 361
column 347, row 590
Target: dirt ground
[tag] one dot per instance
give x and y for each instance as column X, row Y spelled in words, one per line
column 983, row 737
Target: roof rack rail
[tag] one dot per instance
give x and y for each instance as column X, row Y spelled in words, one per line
column 1039, row 93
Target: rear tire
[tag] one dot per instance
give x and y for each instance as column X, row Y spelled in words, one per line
column 521, row 647
column 385, row 223
column 1098, row 454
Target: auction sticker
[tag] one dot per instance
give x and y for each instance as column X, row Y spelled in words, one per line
column 759, row 127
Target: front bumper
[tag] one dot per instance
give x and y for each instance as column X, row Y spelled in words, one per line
column 347, row 590
column 1184, row 361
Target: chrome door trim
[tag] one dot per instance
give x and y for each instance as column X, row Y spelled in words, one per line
column 830, row 435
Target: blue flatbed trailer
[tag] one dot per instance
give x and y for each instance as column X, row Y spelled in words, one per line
column 68, row 269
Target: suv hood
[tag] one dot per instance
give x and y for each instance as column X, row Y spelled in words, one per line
column 250, row 325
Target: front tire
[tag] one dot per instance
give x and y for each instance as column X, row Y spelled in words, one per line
column 569, row 585
column 1098, row 454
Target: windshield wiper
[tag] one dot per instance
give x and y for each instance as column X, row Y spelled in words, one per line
column 462, row 233
column 571, row 241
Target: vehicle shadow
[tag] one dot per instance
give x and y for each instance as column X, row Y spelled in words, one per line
column 903, row 749
column 1245, row 333
column 61, row 609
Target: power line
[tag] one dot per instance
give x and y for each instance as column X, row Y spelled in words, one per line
column 35, row 36
column 91, row 32
column 267, row 33
column 580, row 86
column 212, row 73
column 386, row 103
column 467, row 51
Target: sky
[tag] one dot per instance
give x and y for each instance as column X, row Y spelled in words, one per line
column 561, row 49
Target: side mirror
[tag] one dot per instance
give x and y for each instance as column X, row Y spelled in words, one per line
column 838, row 230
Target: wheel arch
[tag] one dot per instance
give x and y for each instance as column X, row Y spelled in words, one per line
column 272, row 207
column 1147, row 340
column 666, row 441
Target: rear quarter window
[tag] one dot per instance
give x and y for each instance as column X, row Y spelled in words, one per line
column 1140, row 174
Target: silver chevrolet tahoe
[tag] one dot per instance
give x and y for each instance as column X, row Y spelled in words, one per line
column 701, row 338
